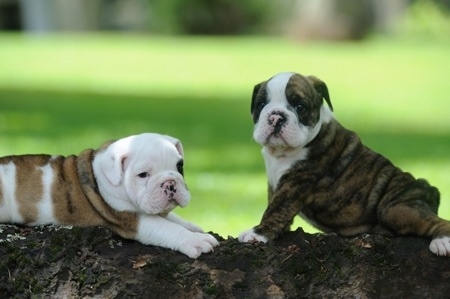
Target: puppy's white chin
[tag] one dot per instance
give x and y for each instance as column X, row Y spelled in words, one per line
column 275, row 142
column 280, row 144
column 292, row 136
column 158, row 209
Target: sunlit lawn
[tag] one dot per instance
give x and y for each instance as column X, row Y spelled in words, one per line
column 62, row 94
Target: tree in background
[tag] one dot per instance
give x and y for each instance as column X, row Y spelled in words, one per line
column 211, row 17
column 301, row 19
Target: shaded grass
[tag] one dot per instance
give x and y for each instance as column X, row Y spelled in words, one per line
column 61, row 95
column 204, row 126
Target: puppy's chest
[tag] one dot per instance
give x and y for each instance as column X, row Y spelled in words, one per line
column 276, row 167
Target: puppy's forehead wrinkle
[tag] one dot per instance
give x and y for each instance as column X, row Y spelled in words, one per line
column 155, row 155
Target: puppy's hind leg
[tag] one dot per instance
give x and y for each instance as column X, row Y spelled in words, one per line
column 417, row 219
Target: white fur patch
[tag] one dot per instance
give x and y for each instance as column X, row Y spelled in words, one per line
column 278, row 162
column 276, row 166
column 276, row 87
column 9, row 211
column 45, row 204
column 440, row 246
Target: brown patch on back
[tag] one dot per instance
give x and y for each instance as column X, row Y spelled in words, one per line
column 74, row 192
column 29, row 188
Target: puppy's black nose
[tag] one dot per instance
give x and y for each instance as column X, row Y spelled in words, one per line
column 277, row 120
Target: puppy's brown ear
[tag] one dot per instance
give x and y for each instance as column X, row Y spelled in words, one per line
column 255, row 93
column 322, row 89
column 177, row 144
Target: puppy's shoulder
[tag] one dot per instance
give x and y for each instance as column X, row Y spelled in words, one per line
column 333, row 140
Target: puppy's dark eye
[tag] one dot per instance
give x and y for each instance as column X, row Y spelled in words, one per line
column 143, row 175
column 180, row 167
column 299, row 108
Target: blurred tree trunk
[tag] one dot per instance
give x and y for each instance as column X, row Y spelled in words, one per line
column 343, row 20
column 52, row 262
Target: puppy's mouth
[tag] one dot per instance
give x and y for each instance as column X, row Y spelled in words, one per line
column 276, row 122
column 163, row 194
column 171, row 204
column 276, row 137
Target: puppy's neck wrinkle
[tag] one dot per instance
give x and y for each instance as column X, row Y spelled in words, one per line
column 122, row 222
column 324, row 138
column 333, row 135
column 85, row 171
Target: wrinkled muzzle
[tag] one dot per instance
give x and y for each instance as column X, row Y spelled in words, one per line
column 175, row 191
column 275, row 128
column 167, row 192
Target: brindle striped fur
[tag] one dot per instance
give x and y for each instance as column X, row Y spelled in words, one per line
column 341, row 185
column 347, row 188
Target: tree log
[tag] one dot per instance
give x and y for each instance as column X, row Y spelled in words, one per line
column 57, row 262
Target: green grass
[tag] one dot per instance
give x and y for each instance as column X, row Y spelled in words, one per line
column 61, row 94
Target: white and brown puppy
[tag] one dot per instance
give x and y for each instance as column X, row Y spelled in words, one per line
column 321, row 171
column 130, row 186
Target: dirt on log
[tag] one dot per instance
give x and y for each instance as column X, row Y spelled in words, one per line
column 59, row 262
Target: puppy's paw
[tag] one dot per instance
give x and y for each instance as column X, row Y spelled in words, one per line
column 440, row 246
column 249, row 236
column 198, row 243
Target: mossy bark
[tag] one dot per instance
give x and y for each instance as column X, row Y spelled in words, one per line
column 58, row 262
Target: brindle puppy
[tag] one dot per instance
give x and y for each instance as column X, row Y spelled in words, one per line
column 321, row 171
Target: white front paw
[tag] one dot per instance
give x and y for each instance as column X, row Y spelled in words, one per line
column 198, row 243
column 440, row 246
column 249, row 236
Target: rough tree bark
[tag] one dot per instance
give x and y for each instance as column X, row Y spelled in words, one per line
column 54, row 262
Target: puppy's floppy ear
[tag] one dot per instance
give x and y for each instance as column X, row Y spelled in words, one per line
column 177, row 144
column 255, row 92
column 112, row 162
column 322, row 89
